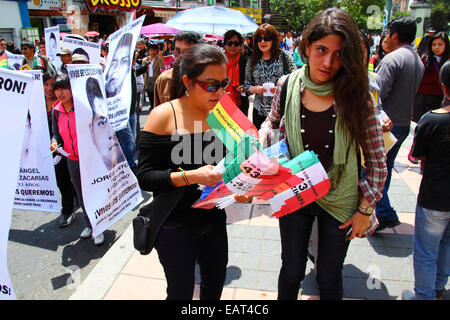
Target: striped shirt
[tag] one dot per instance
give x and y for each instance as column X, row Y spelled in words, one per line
column 371, row 185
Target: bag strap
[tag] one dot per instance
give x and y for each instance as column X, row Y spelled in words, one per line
column 283, row 97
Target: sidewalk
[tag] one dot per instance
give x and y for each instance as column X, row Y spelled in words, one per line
column 379, row 267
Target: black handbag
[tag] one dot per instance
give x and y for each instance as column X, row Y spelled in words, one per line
column 151, row 217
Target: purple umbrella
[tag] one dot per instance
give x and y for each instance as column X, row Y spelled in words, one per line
column 158, row 29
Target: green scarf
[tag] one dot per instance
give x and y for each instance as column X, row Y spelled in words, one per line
column 342, row 200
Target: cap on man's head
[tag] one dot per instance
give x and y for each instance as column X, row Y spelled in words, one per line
column 79, row 58
column 64, row 52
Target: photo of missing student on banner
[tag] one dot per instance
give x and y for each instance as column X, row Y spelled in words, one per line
column 52, row 45
column 15, row 94
column 109, row 187
column 118, row 73
column 36, row 184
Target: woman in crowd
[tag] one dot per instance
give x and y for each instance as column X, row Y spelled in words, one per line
column 168, row 49
column 188, row 234
column 431, row 227
column 267, row 64
column 236, row 69
column 429, row 94
column 68, row 195
column 65, row 135
column 326, row 107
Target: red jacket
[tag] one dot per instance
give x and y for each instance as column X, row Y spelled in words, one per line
column 430, row 81
column 64, row 129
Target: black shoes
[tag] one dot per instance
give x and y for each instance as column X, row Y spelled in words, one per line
column 384, row 224
column 65, row 220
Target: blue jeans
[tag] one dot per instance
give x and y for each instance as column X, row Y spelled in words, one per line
column 384, row 209
column 431, row 252
column 127, row 138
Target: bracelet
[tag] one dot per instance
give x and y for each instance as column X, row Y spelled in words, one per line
column 183, row 174
column 364, row 214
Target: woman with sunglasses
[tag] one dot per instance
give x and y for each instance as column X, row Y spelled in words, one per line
column 267, row 64
column 326, row 107
column 236, row 69
column 177, row 151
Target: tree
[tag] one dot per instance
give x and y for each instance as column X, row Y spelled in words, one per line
column 298, row 13
column 440, row 15
column 368, row 14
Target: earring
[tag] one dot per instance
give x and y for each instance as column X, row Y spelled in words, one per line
column 187, row 93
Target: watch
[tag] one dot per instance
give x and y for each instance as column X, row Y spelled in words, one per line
column 368, row 210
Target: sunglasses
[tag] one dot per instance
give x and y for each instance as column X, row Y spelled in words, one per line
column 265, row 38
column 213, row 87
column 230, row 43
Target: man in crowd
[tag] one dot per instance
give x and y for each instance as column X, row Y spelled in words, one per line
column 400, row 73
column 66, row 57
column 153, row 64
column 164, row 83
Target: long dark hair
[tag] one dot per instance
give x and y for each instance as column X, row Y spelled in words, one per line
column 192, row 64
column 429, row 57
column 268, row 30
column 351, row 83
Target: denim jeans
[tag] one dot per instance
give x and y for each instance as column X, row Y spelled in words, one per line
column 431, row 252
column 127, row 138
column 384, row 209
column 295, row 231
column 179, row 246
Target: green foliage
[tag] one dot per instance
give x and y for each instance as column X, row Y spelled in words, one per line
column 368, row 14
column 440, row 15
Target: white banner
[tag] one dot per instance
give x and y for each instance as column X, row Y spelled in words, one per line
column 53, row 46
column 90, row 50
column 110, row 189
column 15, row 94
column 118, row 72
column 14, row 60
column 36, row 185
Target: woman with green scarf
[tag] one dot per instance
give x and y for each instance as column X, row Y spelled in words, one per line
column 326, row 107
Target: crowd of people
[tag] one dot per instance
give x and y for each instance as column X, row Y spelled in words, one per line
column 332, row 90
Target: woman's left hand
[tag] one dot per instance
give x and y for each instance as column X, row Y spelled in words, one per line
column 359, row 224
column 242, row 199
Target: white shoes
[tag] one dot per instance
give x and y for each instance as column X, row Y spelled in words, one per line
column 87, row 232
column 98, row 240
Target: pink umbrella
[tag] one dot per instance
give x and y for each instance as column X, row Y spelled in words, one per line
column 158, row 29
column 212, row 37
column 92, row 34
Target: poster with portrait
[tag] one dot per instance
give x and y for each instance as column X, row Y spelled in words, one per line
column 90, row 50
column 37, row 189
column 53, row 45
column 110, row 189
column 14, row 60
column 118, row 72
column 15, row 94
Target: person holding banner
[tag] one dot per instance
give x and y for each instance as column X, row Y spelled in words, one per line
column 326, row 107
column 32, row 62
column 187, row 234
column 65, row 137
column 68, row 196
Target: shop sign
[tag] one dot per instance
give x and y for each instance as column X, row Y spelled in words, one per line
column 46, row 4
column 114, row 5
column 255, row 14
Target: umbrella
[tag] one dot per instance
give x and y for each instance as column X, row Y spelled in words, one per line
column 212, row 19
column 92, row 34
column 158, row 29
column 212, row 37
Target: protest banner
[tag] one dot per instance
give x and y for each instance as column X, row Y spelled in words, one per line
column 90, row 50
column 37, row 189
column 53, row 46
column 14, row 61
column 110, row 189
column 15, row 94
column 118, row 72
